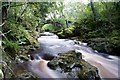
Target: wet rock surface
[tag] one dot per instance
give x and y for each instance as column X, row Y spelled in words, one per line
column 109, row 46
column 72, row 65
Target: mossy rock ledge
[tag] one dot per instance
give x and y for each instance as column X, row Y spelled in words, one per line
column 73, row 66
column 108, row 46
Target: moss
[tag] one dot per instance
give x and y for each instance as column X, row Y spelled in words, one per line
column 48, row 27
column 72, row 63
column 106, row 45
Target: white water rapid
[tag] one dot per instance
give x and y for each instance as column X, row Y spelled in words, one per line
column 108, row 65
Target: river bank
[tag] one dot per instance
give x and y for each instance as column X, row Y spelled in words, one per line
column 103, row 45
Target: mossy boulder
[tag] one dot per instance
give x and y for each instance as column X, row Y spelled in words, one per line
column 72, row 64
column 106, row 45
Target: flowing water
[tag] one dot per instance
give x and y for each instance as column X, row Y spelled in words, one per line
column 108, row 65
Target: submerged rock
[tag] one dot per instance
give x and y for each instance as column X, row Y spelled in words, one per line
column 72, row 65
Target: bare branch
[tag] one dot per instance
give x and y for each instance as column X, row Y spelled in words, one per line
column 2, row 24
column 4, row 33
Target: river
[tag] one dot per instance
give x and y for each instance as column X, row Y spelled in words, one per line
column 51, row 46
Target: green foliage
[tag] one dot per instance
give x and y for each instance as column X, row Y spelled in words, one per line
column 94, row 20
column 24, row 21
column 48, row 27
column 11, row 47
column 70, row 29
column 68, row 32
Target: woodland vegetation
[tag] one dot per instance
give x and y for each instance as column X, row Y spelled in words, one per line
column 97, row 23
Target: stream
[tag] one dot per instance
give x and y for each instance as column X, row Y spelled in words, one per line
column 51, row 46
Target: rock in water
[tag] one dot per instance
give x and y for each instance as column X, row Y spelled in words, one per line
column 72, row 65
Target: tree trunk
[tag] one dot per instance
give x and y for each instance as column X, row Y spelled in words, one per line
column 93, row 9
column 4, row 10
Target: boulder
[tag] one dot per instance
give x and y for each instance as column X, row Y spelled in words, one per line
column 109, row 46
column 72, row 65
